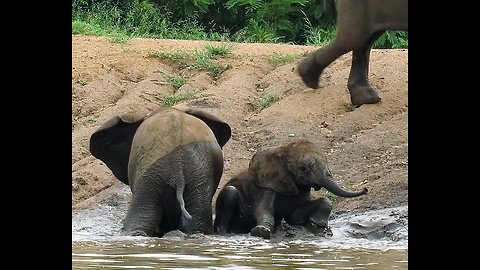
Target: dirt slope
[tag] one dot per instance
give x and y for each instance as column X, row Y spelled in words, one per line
column 366, row 146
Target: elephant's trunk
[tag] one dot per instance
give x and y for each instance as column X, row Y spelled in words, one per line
column 332, row 186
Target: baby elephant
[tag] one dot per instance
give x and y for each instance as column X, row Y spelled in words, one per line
column 277, row 186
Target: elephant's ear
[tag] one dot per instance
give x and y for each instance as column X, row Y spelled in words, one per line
column 221, row 129
column 269, row 170
column 111, row 143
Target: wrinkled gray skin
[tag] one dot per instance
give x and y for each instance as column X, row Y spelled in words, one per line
column 359, row 24
column 172, row 161
column 277, row 186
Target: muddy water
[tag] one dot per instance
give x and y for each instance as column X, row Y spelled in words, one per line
column 371, row 240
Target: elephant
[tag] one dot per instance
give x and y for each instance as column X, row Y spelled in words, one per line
column 277, row 186
column 172, row 161
column 359, row 24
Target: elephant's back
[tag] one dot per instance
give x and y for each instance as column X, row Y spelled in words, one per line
column 160, row 134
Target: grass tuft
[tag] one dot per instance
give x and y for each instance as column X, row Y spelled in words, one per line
column 265, row 102
column 171, row 100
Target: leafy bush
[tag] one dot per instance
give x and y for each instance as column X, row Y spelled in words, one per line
column 309, row 22
column 392, row 39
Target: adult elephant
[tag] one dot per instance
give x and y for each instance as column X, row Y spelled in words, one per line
column 172, row 160
column 359, row 24
column 277, row 186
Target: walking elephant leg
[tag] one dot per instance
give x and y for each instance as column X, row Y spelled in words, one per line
column 312, row 66
column 360, row 90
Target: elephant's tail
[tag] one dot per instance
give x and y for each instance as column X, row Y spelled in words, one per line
column 187, row 220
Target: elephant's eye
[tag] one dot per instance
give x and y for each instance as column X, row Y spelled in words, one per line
column 303, row 168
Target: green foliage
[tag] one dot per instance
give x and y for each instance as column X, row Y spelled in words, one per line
column 90, row 119
column 82, row 82
column 327, row 194
column 264, row 102
column 309, row 22
column 171, row 100
column 278, row 59
column 183, row 8
column 176, row 55
column 80, row 27
column 218, row 50
column 392, row 39
column 176, row 81
column 256, row 32
column 118, row 38
column 279, row 18
column 203, row 61
column 321, row 36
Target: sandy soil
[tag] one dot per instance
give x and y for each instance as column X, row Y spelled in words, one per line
column 366, row 146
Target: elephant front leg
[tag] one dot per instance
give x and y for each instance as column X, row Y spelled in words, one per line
column 264, row 216
column 361, row 92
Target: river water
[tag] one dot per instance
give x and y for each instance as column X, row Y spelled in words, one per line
column 376, row 239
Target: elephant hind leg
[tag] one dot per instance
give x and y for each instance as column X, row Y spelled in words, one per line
column 312, row 66
column 314, row 213
column 226, row 206
column 320, row 212
column 360, row 90
column 143, row 217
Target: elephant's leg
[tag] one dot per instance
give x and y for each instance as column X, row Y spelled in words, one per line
column 353, row 30
column 312, row 66
column 264, row 216
column 144, row 216
column 360, row 90
column 321, row 212
column 313, row 214
column 226, row 206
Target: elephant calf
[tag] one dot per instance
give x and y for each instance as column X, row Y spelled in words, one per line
column 277, row 186
column 172, row 160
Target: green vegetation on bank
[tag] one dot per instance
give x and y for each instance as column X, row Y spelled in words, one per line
column 278, row 59
column 200, row 60
column 264, row 102
column 310, row 22
column 171, row 100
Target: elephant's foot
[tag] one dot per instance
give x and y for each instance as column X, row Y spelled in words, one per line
column 261, row 231
column 310, row 71
column 364, row 94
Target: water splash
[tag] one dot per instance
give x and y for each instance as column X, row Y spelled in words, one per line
column 376, row 229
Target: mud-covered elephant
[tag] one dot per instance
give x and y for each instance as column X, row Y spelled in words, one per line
column 277, row 186
column 172, row 160
column 359, row 24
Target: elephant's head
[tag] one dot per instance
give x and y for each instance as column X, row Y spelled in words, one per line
column 300, row 164
column 112, row 142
